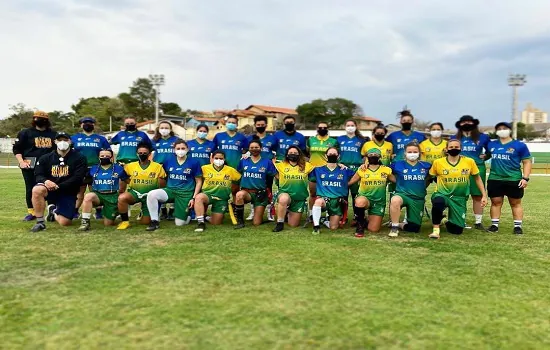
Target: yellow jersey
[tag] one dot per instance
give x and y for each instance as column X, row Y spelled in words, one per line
column 430, row 151
column 386, row 148
column 454, row 180
column 143, row 180
column 294, row 181
column 373, row 183
column 217, row 183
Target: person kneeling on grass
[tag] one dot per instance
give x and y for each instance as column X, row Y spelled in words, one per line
column 412, row 177
column 145, row 176
column 58, row 176
column 216, row 190
column 108, row 181
column 255, row 172
column 183, row 185
column 373, row 179
column 332, row 190
column 453, row 188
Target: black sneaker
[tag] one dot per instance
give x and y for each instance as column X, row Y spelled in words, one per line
column 50, row 216
column 239, row 225
column 85, row 225
column 316, row 230
column 39, row 226
column 201, row 226
column 518, row 230
column 279, row 227
column 359, row 231
column 153, row 225
column 480, row 227
column 493, row 228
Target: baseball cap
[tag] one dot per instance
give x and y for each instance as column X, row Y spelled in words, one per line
column 40, row 114
column 506, row 124
column 375, row 151
column 62, row 134
column 87, row 120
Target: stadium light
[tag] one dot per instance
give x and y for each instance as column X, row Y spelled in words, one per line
column 157, row 80
column 515, row 81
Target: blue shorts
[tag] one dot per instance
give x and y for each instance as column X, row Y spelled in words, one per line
column 64, row 204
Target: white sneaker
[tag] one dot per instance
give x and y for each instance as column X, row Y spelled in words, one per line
column 393, row 233
column 250, row 216
column 269, row 213
column 327, row 223
column 434, row 235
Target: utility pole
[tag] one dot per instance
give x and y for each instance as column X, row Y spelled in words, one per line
column 157, row 80
column 515, row 81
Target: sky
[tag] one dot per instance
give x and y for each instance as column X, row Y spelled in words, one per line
column 442, row 59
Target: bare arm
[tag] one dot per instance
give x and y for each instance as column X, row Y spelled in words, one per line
column 354, row 179
column 481, row 188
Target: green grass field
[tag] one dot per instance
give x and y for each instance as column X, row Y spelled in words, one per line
column 252, row 288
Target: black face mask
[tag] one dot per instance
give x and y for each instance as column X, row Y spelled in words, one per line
column 289, row 127
column 41, row 122
column 373, row 160
column 406, row 126
column 333, row 158
column 379, row 137
column 130, row 127
column 322, row 131
column 260, row 129
column 143, row 157
column 105, row 161
column 292, row 157
column 453, row 152
column 88, row 127
column 255, row 152
column 467, row 127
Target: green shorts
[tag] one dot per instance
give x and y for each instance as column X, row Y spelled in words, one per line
column 333, row 206
column 109, row 201
column 142, row 200
column 258, row 198
column 377, row 208
column 354, row 189
column 181, row 202
column 219, row 205
column 456, row 208
column 297, row 205
column 415, row 208
column 474, row 191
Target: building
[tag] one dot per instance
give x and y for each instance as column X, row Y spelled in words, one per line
column 366, row 123
column 275, row 114
column 532, row 115
column 542, row 130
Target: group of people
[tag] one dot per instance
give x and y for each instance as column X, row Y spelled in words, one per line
column 319, row 176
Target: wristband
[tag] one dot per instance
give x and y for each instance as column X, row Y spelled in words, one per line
column 526, row 179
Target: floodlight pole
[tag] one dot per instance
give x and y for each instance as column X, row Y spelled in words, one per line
column 515, row 81
column 157, row 80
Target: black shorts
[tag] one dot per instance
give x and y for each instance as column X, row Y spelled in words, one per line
column 88, row 179
column 500, row 188
column 64, row 204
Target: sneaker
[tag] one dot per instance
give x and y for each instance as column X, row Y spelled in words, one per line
column 85, row 225
column 123, row 225
column 29, row 217
column 153, row 225
column 192, row 215
column 50, row 216
column 270, row 212
column 250, row 216
column 468, row 227
column 359, row 232
column 99, row 213
column 170, row 217
column 39, row 226
column 434, row 235
column 239, row 225
column 140, row 215
column 279, row 227
column 493, row 228
column 201, row 226
column 394, row 232
column 518, row 230
column 480, row 227
column 316, row 230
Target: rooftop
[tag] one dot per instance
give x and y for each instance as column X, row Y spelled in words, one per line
column 274, row 109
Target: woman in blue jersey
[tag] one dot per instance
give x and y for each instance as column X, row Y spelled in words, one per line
column 475, row 146
column 201, row 148
column 399, row 139
column 255, row 171
column 231, row 142
column 506, row 177
column 412, row 177
column 128, row 141
column 108, row 180
column 163, row 142
column 184, row 181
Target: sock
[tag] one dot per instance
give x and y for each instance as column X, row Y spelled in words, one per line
column 495, row 222
column 316, row 213
column 40, row 219
column 86, row 215
column 478, row 217
column 517, row 223
column 124, row 217
column 239, row 212
column 360, row 212
column 280, row 221
column 436, row 230
column 30, row 211
column 200, row 219
column 394, row 225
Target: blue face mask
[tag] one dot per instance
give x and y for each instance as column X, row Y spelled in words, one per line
column 231, row 126
column 202, row 135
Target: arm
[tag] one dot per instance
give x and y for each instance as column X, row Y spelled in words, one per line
column 162, row 183
column 354, row 179
column 116, row 139
column 392, row 178
column 40, row 172
column 479, row 184
column 527, row 165
column 18, row 148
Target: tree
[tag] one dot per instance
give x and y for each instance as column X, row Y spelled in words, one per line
column 77, row 107
column 104, row 111
column 526, row 131
column 170, row 108
column 20, row 118
column 140, row 101
column 334, row 111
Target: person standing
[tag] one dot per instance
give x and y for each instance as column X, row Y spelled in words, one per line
column 399, row 139
column 506, row 177
column 434, row 146
column 58, row 176
column 475, row 146
column 232, row 143
column 128, row 140
column 379, row 142
column 287, row 138
column 29, row 146
column 201, row 148
column 163, row 142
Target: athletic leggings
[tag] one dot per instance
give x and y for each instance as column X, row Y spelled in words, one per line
column 30, row 181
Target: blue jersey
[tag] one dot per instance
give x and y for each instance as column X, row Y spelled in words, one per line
column 201, row 151
column 232, row 146
column 181, row 176
column 331, row 183
column 89, row 146
column 411, row 179
column 164, row 149
column 399, row 140
column 283, row 141
column 107, row 180
column 254, row 175
column 506, row 160
column 473, row 149
column 128, row 141
column 350, row 150
column 268, row 142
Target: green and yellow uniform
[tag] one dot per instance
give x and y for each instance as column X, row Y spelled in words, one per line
column 385, row 147
column 294, row 181
column 217, row 185
column 430, row 151
column 453, row 184
column 373, row 186
column 142, row 180
column 318, row 146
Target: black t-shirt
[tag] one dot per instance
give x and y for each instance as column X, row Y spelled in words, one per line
column 67, row 173
column 32, row 142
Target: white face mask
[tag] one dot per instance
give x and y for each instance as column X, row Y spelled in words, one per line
column 164, row 132
column 202, row 135
column 504, row 133
column 218, row 162
column 181, row 153
column 351, row 129
column 412, row 156
column 435, row 133
column 63, row 145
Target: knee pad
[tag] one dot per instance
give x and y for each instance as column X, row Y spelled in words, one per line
column 454, row 229
column 411, row 227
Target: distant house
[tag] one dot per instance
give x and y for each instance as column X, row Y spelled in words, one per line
column 366, row 123
column 275, row 114
column 542, row 130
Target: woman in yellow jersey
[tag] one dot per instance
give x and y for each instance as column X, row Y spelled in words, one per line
column 292, row 174
column 373, row 177
column 379, row 142
column 433, row 147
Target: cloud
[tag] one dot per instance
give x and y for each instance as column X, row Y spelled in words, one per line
column 442, row 59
